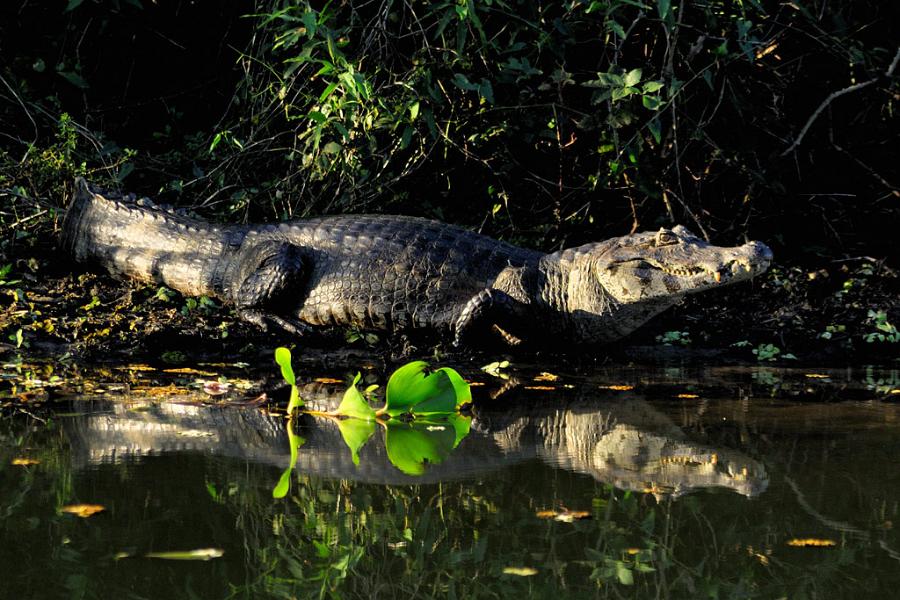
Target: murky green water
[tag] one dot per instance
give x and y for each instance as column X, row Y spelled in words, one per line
column 619, row 482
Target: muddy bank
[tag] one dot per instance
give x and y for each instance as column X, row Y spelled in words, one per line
column 842, row 312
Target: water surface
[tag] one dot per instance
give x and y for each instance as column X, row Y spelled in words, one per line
column 737, row 482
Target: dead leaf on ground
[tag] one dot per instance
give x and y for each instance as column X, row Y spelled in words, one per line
column 327, row 380
column 544, row 376
column 811, row 542
column 83, row 510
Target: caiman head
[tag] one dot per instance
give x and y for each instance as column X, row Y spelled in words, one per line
column 674, row 262
column 615, row 286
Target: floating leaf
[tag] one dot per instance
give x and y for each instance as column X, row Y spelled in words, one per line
column 544, row 376
column 544, row 388
column 687, row 396
column 283, row 358
column 354, row 403
column 198, row 554
column 811, row 542
column 83, row 510
column 520, row 571
column 410, row 390
column 327, row 380
column 618, row 388
column 24, row 462
column 356, row 433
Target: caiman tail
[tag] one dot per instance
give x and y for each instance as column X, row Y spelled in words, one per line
column 146, row 245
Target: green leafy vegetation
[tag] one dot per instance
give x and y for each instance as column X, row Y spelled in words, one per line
column 421, row 416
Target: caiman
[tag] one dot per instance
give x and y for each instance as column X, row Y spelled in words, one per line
column 397, row 273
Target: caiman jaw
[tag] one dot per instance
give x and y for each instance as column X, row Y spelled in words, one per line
column 732, row 268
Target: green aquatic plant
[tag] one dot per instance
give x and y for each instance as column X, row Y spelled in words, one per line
column 421, row 416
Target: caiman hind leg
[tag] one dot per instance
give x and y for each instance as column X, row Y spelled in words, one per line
column 270, row 280
column 487, row 310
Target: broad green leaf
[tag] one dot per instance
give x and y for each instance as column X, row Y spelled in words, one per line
column 413, row 111
column 664, row 6
column 462, row 388
column 652, row 86
column 356, row 433
column 633, row 77
column 410, row 446
column 409, row 387
column 626, row 577
column 283, row 358
column 651, row 102
column 354, row 403
column 75, row 79
column 327, row 92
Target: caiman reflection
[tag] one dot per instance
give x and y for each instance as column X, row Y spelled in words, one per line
column 625, row 443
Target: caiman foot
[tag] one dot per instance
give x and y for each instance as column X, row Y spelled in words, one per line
column 486, row 311
column 263, row 320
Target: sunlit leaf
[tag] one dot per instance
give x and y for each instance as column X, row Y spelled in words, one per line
column 811, row 542
column 354, row 403
column 545, row 388
column 189, row 371
column 410, row 390
column 618, row 388
column 626, row 577
column 283, row 358
column 327, row 380
column 356, row 433
column 24, row 462
column 544, row 376
column 520, row 571
column 198, row 554
column 632, row 78
column 410, row 446
column 83, row 510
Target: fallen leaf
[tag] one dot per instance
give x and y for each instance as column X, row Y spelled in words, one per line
column 327, row 380
column 83, row 510
column 546, row 514
column 189, row 371
column 138, row 367
column 568, row 516
column 810, row 542
column 198, row 554
column 520, row 571
column 815, row 375
column 25, row 461
column 215, row 388
column 687, row 396
column 540, row 387
column 618, row 388
column 544, row 376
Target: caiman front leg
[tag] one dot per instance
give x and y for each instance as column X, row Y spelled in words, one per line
column 270, row 280
column 488, row 309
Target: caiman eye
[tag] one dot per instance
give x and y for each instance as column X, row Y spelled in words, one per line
column 666, row 238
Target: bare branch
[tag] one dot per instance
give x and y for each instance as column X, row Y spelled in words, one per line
column 834, row 96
